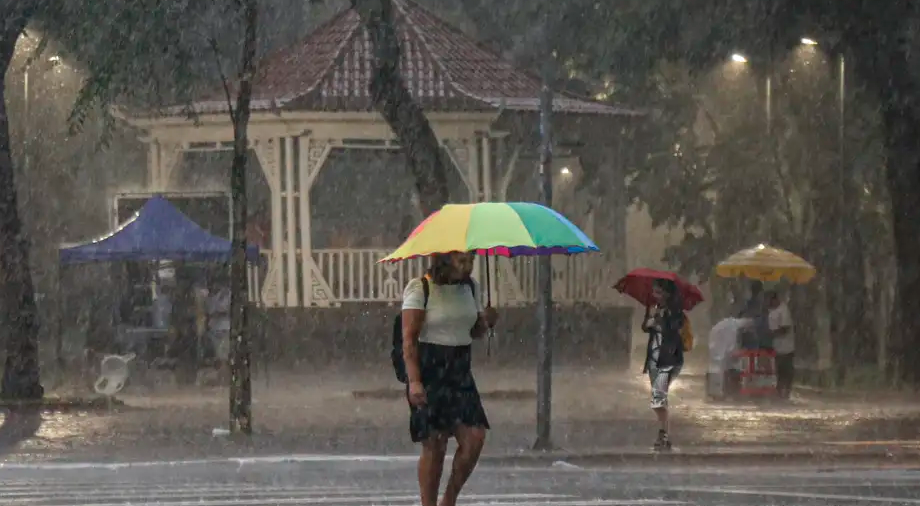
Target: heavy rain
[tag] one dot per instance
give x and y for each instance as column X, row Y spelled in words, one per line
column 255, row 252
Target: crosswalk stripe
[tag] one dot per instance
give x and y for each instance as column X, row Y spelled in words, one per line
column 179, row 487
column 209, row 493
column 167, row 493
column 230, row 498
column 799, row 495
column 384, row 501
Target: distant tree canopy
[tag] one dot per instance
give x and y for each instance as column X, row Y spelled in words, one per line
column 720, row 176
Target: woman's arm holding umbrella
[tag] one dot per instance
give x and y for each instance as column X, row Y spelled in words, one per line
column 487, row 319
column 487, row 316
column 645, row 327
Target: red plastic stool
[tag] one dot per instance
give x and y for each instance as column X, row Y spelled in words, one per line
column 758, row 372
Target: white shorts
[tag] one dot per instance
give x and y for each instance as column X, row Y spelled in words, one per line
column 660, row 380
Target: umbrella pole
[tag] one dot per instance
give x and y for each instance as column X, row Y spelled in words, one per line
column 489, row 304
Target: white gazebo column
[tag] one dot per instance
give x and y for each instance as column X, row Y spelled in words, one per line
column 268, row 152
column 461, row 153
column 465, row 155
column 474, row 152
column 487, row 180
column 313, row 155
column 162, row 160
column 509, row 288
column 289, row 196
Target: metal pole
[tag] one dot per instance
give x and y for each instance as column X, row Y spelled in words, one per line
column 544, row 263
column 768, row 106
column 25, row 94
column 841, row 127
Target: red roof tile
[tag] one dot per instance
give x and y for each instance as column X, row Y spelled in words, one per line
column 444, row 69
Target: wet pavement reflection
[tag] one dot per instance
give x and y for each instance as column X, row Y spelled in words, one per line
column 298, row 414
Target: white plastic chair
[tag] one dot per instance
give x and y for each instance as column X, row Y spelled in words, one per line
column 113, row 373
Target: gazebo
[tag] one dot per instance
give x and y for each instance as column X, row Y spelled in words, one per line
column 313, row 97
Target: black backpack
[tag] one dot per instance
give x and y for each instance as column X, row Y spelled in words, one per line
column 396, row 353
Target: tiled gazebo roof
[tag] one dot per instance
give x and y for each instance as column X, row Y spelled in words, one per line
column 444, row 69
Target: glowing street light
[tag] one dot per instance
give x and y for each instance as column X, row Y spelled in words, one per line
column 739, row 58
column 565, row 171
column 809, row 42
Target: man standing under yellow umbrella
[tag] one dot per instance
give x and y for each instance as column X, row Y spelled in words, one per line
column 780, row 321
column 763, row 263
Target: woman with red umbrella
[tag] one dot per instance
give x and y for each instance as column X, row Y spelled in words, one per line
column 665, row 297
column 664, row 355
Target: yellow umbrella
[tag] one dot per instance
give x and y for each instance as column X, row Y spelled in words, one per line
column 766, row 263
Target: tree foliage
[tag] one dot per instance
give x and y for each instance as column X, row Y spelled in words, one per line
column 130, row 50
column 708, row 165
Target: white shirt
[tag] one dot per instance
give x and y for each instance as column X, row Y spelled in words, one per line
column 452, row 311
column 162, row 309
column 781, row 317
column 219, row 310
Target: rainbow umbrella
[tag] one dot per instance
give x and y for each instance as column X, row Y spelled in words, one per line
column 494, row 228
column 506, row 229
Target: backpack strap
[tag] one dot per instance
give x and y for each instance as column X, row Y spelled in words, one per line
column 426, row 289
column 469, row 282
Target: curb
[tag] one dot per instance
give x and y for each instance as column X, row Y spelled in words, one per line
column 399, row 394
column 721, row 456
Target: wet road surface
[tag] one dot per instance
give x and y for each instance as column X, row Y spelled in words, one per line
column 320, row 413
column 390, row 481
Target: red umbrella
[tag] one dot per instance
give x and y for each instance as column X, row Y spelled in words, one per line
column 638, row 285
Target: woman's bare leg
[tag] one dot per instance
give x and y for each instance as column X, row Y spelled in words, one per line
column 430, row 468
column 470, row 441
column 662, row 415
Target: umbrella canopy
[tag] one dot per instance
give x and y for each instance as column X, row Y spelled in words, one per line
column 638, row 285
column 765, row 263
column 494, row 228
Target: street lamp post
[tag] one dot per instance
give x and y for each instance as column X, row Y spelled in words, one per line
column 25, row 94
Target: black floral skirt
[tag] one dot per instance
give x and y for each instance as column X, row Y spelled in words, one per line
column 453, row 399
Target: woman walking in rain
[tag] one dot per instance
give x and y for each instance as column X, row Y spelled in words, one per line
column 441, row 314
column 665, row 351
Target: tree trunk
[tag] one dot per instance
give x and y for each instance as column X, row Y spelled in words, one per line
column 399, row 109
column 21, row 378
column 856, row 315
column 903, row 125
column 240, row 346
column 888, row 68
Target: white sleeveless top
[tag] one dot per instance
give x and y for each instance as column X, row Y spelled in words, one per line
column 451, row 313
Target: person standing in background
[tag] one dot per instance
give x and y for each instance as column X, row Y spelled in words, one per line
column 664, row 356
column 219, row 327
column 780, row 323
column 756, row 334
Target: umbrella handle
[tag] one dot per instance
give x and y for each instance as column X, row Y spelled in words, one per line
column 488, row 284
column 488, row 305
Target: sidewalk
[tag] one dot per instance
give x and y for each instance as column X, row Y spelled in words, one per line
column 597, row 416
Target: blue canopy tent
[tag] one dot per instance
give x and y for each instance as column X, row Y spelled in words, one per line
column 158, row 231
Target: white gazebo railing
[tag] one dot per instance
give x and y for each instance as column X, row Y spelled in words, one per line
column 353, row 275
